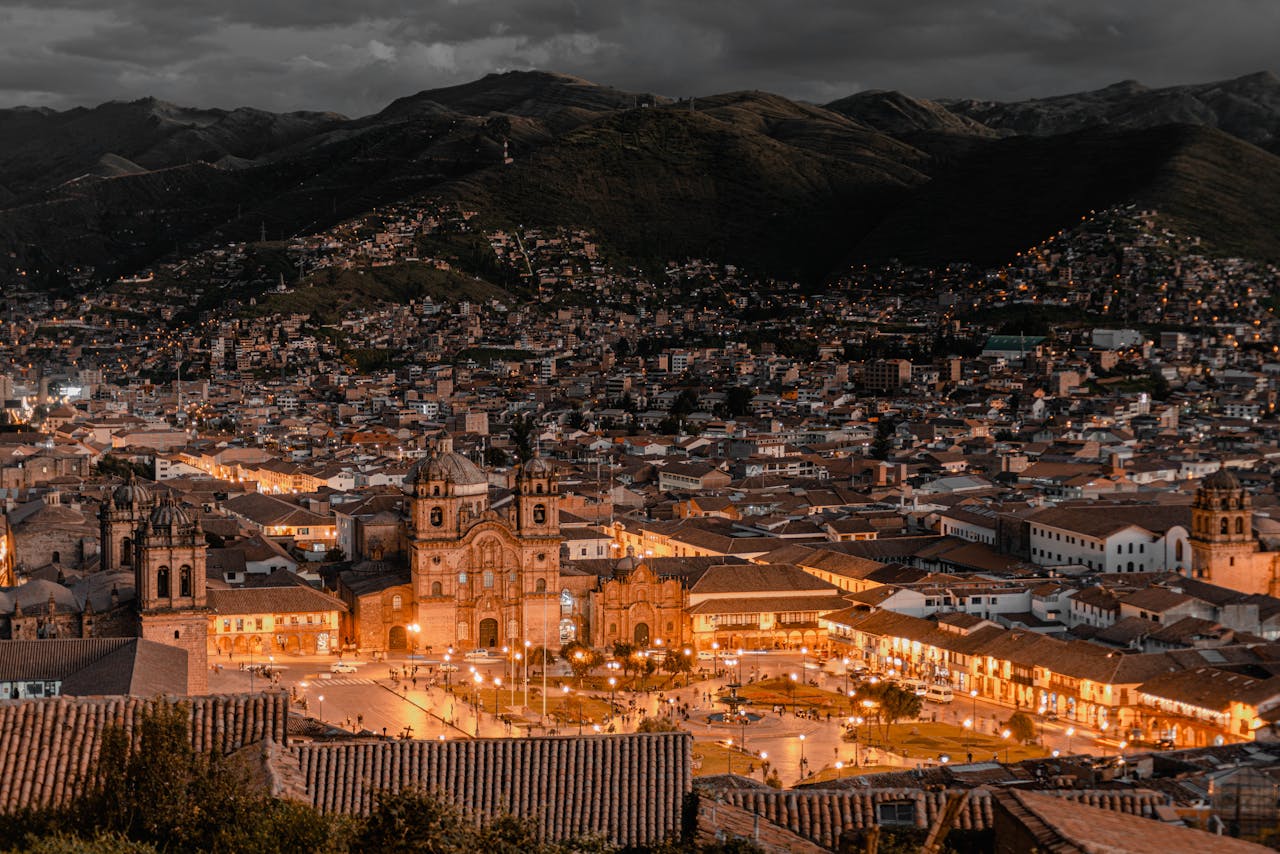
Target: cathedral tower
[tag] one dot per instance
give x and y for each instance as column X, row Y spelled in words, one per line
column 1222, row 546
column 169, row 574
column 118, row 520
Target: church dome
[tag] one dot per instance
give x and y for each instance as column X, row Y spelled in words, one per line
column 536, row 466
column 168, row 513
column 1222, row 479
column 453, row 468
column 130, row 494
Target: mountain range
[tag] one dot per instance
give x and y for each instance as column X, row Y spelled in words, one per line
column 753, row 178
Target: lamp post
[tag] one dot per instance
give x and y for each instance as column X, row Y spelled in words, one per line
column 845, row 662
column 1102, row 727
column 764, row 765
column 729, row 744
column 793, row 694
column 715, row 658
column 688, row 664
column 414, row 628
column 321, row 699
column 475, row 692
column 804, row 650
column 1005, row 735
column 839, row 769
column 803, row 761
column 518, row 657
column 1071, row 731
column 497, row 689
column 973, row 694
column 671, row 704
column 528, row 645
column 613, row 684
column 741, row 652
column 448, row 669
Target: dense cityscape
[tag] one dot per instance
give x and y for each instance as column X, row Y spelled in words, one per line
column 431, row 526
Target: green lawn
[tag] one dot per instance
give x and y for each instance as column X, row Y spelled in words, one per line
column 771, row 692
column 929, row 740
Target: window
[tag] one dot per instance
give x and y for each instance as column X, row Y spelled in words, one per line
column 437, row 589
column 184, row 581
column 540, row 586
column 397, row 602
column 1177, row 551
column 896, row 812
column 488, row 579
column 257, row 624
column 162, row 582
column 226, row 625
column 437, row 517
column 462, row 578
column 1239, row 524
column 539, row 514
column 239, row 624
column 1224, row 525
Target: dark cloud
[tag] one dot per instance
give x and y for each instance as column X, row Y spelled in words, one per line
column 354, row 57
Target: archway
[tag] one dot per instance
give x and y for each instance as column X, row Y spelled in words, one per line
column 641, row 635
column 488, row 633
column 397, row 638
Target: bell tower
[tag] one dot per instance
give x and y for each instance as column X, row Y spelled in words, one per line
column 537, row 499
column 169, row 575
column 1222, row 544
column 118, row 520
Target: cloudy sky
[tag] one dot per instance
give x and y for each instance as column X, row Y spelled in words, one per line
column 354, row 57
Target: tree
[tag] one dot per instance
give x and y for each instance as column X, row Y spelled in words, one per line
column 676, row 662
column 893, row 703
column 659, row 724
column 883, row 442
column 737, row 401
column 1022, row 727
column 625, row 653
column 496, row 457
column 521, row 433
column 581, row 658
column 540, row 656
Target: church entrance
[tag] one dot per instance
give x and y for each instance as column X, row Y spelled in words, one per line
column 398, row 638
column 642, row 635
column 488, row 633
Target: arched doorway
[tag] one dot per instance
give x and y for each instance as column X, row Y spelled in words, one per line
column 641, row 635
column 488, row 633
column 398, row 638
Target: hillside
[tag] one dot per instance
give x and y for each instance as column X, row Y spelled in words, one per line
column 747, row 177
column 667, row 183
column 1011, row 193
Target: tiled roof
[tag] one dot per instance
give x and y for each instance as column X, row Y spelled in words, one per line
column 758, row 578
column 1059, row 824
column 48, row 745
column 292, row 599
column 628, row 788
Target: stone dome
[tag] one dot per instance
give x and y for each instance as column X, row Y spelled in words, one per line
column 130, row 494
column 454, row 468
column 1222, row 479
column 168, row 513
column 536, row 466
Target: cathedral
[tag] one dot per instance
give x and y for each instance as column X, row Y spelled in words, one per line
column 477, row 578
column 1224, row 550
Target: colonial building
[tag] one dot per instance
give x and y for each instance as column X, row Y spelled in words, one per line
column 1224, row 550
column 478, row 578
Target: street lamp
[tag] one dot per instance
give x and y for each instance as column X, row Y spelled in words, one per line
column 613, row 683
column 741, row 652
column 497, row 689
column 688, row 665
column 729, row 744
column 321, row 699
column 414, row 628
column 804, row 650
column 475, row 691
column 715, row 658
column 764, row 765
column 845, row 662
column 839, row 769
column 447, row 668
column 803, row 761
column 671, row 702
column 793, row 694
column 1005, row 735
column 1070, row 732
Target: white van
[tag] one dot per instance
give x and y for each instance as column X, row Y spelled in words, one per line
column 939, row 694
column 915, row 686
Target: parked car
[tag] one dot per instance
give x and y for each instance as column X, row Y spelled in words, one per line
column 916, row 686
column 342, row 667
column 477, row 654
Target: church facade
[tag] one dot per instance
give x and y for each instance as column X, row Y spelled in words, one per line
column 478, row 579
